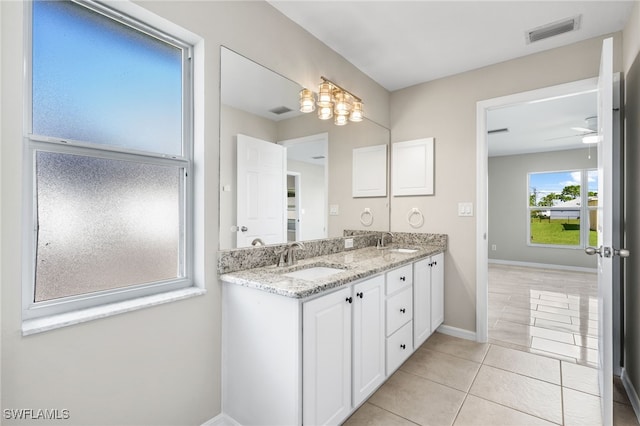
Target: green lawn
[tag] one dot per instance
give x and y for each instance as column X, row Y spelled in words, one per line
column 545, row 231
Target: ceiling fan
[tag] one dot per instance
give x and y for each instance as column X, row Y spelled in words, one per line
column 589, row 134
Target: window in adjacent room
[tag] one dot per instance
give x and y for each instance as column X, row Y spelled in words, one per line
column 109, row 159
column 562, row 208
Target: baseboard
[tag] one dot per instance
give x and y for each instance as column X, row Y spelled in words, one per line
column 221, row 420
column 543, row 265
column 631, row 393
column 457, row 332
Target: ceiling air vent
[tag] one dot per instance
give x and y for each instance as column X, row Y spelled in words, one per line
column 280, row 110
column 553, row 29
column 494, row 131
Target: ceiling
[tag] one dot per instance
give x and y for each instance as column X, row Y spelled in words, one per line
column 402, row 43
column 550, row 125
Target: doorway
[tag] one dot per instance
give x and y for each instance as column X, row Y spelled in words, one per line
column 482, row 248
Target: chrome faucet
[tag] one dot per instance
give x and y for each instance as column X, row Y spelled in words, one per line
column 288, row 254
column 381, row 242
column 291, row 252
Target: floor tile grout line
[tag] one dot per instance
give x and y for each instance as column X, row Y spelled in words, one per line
column 466, row 395
column 434, row 381
column 520, row 374
column 447, row 353
column 562, row 393
column 515, row 409
column 389, row 411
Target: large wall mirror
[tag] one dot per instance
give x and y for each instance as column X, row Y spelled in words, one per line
column 263, row 132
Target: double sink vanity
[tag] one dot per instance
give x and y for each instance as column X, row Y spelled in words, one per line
column 309, row 343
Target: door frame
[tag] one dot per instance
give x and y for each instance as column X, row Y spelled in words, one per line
column 324, row 137
column 482, row 181
column 296, row 187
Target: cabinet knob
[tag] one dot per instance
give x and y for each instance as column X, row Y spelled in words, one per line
column 349, row 299
column 435, row 263
column 403, row 346
column 403, row 310
column 403, row 278
column 360, row 295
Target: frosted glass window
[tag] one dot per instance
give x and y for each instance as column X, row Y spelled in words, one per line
column 97, row 80
column 104, row 224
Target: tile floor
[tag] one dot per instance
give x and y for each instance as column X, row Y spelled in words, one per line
column 452, row 381
column 537, row 369
column 543, row 311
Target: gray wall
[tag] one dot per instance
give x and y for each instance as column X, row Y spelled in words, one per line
column 446, row 110
column 508, row 213
column 632, row 200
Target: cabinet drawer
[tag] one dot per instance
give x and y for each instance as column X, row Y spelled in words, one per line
column 399, row 347
column 399, row 310
column 399, row 278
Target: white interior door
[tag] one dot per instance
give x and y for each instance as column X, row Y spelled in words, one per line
column 605, row 249
column 261, row 191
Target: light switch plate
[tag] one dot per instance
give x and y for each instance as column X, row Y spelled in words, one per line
column 333, row 209
column 465, row 209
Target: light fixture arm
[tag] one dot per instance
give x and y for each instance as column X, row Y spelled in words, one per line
column 326, row 80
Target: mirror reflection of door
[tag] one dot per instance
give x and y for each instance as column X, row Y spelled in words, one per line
column 261, row 180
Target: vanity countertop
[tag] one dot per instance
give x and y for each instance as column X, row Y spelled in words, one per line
column 357, row 264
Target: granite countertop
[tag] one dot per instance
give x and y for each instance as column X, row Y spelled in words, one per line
column 360, row 263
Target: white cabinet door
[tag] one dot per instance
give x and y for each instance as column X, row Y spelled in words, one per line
column 368, row 338
column 437, row 290
column 326, row 355
column 421, row 301
column 412, row 167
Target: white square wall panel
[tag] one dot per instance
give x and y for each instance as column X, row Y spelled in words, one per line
column 412, row 167
column 370, row 171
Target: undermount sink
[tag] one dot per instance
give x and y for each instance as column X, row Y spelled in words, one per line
column 403, row 250
column 313, row 272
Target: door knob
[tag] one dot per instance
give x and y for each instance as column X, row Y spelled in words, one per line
column 592, row 250
column 244, row 228
column 621, row 252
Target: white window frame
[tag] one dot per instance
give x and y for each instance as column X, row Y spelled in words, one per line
column 583, row 210
column 55, row 313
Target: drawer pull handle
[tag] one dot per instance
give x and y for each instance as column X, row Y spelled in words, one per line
column 360, row 295
column 349, row 299
column 403, row 346
column 403, row 310
column 403, row 278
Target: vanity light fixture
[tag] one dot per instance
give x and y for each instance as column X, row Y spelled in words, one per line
column 333, row 102
column 307, row 102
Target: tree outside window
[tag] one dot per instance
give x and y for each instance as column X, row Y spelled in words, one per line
column 562, row 208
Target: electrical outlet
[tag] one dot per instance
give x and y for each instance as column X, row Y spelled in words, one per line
column 493, row 247
column 348, row 243
column 334, row 209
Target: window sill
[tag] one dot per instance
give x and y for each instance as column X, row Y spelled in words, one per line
column 39, row 325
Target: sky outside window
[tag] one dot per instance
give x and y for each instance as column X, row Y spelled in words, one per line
column 112, row 84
